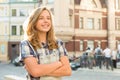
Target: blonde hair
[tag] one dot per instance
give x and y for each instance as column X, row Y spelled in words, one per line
column 32, row 34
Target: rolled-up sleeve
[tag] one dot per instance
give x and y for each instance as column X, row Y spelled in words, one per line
column 25, row 50
column 62, row 49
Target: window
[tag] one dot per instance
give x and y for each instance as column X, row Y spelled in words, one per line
column 52, row 10
column 90, row 44
column 23, row 12
column 14, row 30
column 117, row 4
column 70, row 20
column 14, row 12
column 3, row 48
column 22, row 0
column 50, row 1
column 3, row 1
column 81, row 45
column 40, row 1
column 118, row 23
column 21, row 30
column 118, row 45
column 3, row 11
column 90, row 23
column 99, row 43
column 98, row 26
column 77, row 2
column 5, row 29
column 81, row 23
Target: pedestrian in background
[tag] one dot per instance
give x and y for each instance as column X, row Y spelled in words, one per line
column 114, row 58
column 44, row 56
column 107, row 53
column 118, row 55
column 90, row 57
column 98, row 56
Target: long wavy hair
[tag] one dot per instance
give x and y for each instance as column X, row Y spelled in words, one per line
column 31, row 33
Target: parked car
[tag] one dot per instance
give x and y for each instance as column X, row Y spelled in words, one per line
column 75, row 63
column 73, row 66
column 17, row 62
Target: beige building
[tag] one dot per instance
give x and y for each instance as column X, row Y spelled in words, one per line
column 79, row 23
column 12, row 15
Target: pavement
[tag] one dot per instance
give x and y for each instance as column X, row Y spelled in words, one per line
column 103, row 69
column 96, row 69
column 8, row 70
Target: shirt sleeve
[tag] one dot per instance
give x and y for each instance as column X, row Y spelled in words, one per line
column 61, row 48
column 25, row 50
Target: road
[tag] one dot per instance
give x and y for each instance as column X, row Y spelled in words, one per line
column 80, row 74
column 85, row 74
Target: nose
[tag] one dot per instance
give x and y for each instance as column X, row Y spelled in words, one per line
column 45, row 19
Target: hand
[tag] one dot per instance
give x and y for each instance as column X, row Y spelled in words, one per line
column 64, row 60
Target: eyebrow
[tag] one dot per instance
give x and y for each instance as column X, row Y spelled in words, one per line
column 43, row 16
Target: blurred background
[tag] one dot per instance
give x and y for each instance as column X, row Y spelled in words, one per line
column 79, row 23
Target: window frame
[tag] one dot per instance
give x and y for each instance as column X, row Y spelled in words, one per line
column 81, row 45
column 21, row 30
column 90, row 43
column 13, row 14
column 12, row 30
column 24, row 12
column 90, row 23
column 81, row 23
column 118, row 23
column 50, row 1
column 98, row 24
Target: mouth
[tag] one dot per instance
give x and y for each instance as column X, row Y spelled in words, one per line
column 45, row 26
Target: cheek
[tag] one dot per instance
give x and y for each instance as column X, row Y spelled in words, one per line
column 38, row 24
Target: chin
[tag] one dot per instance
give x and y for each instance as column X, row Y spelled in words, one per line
column 45, row 31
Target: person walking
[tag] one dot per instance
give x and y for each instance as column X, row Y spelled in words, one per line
column 44, row 56
column 108, row 60
column 98, row 56
column 114, row 58
column 118, row 55
column 90, row 58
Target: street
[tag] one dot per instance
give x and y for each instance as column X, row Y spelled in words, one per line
column 80, row 74
column 10, row 69
column 93, row 75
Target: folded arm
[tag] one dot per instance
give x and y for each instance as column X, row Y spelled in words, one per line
column 64, row 70
column 37, row 70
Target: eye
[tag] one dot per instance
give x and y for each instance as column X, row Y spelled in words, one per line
column 40, row 18
column 48, row 18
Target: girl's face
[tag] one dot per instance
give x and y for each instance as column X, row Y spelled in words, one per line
column 44, row 22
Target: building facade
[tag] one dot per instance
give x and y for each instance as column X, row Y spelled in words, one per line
column 12, row 15
column 79, row 23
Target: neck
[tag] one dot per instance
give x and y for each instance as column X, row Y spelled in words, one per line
column 42, row 37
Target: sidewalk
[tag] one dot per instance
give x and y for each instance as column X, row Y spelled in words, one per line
column 96, row 69
column 11, row 72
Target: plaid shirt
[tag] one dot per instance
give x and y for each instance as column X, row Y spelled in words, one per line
column 44, row 55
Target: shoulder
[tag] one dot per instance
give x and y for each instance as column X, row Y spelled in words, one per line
column 24, row 42
column 59, row 42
